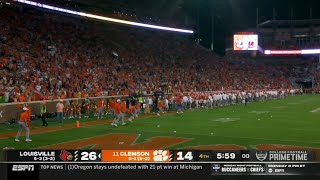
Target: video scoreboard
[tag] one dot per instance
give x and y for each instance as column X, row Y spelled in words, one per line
column 53, row 164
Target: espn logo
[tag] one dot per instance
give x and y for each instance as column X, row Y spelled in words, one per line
column 23, row 168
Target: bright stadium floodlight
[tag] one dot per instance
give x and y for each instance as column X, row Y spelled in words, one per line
column 284, row 52
column 310, row 51
column 103, row 18
column 292, row 52
column 267, row 52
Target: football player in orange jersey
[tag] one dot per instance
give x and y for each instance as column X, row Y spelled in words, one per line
column 138, row 110
column 132, row 110
column 29, row 114
column 101, row 106
column 111, row 104
column 23, row 125
column 117, row 111
column 123, row 111
column 161, row 106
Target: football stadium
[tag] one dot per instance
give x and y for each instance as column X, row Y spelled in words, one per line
column 110, row 75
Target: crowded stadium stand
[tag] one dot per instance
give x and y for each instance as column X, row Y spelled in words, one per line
column 49, row 56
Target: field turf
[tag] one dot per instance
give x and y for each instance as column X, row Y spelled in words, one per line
column 287, row 121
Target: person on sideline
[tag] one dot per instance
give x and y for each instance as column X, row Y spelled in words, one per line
column 60, row 108
column 23, row 125
column 117, row 112
column 161, row 106
column 101, row 106
column 43, row 114
column 123, row 108
column 29, row 114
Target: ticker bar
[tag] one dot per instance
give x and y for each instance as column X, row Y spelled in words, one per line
column 207, row 169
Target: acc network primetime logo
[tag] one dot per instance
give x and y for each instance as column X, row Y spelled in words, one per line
column 23, row 167
column 261, row 156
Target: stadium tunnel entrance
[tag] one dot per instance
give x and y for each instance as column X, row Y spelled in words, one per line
column 305, row 83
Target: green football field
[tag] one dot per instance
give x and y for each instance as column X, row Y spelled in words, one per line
column 287, row 121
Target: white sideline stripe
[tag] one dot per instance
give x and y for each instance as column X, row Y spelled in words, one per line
column 315, row 110
column 258, row 112
column 226, row 120
column 280, row 107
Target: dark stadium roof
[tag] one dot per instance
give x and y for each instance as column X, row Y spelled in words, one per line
column 229, row 16
column 305, row 22
column 160, row 8
column 236, row 14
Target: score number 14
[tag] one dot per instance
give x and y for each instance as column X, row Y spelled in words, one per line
column 187, row 156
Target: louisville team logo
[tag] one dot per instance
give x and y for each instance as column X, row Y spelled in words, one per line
column 66, row 155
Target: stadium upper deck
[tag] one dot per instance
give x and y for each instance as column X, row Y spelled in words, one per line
column 290, row 34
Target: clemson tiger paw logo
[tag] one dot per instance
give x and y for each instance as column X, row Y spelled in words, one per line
column 161, row 155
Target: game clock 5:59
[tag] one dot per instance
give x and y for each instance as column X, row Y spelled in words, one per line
column 226, row 156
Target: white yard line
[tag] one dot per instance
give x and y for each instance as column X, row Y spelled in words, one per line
column 315, row 110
